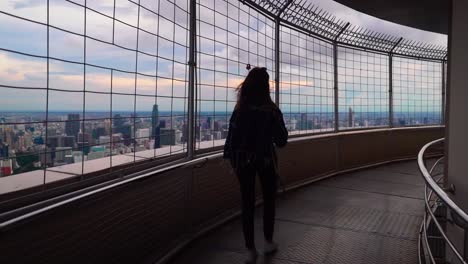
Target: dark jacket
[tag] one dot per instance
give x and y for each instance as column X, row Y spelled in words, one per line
column 253, row 133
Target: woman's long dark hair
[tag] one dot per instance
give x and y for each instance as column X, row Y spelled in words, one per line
column 255, row 89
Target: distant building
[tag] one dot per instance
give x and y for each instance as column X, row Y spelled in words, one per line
column 61, row 152
column 99, row 131
column 104, row 140
column 217, row 135
column 303, row 122
column 167, row 136
column 4, row 150
column 154, row 120
column 351, row 120
column 72, row 125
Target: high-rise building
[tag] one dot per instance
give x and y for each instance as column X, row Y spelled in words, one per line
column 303, row 122
column 351, row 121
column 72, row 125
column 155, row 128
column 4, row 150
column 118, row 122
column 184, row 137
column 99, row 131
column 154, row 120
column 167, row 136
column 162, row 123
column 208, row 124
column 217, row 126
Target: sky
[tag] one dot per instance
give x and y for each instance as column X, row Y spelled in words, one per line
column 19, row 70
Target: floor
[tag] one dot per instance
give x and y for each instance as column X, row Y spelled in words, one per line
column 369, row 216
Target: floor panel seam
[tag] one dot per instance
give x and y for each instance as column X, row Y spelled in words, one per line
column 346, row 229
column 388, row 194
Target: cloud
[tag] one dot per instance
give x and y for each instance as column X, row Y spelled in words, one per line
column 308, row 69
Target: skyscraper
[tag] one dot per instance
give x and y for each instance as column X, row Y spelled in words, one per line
column 154, row 119
column 303, row 124
column 350, row 117
column 155, row 133
column 72, row 125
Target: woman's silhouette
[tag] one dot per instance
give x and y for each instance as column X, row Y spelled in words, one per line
column 255, row 127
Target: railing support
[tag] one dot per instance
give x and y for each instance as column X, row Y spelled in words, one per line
column 191, row 85
column 277, row 51
column 390, row 84
column 442, row 121
column 335, row 75
column 390, row 90
column 277, row 60
column 335, row 85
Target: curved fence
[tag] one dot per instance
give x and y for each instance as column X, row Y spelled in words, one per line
column 91, row 89
column 439, row 208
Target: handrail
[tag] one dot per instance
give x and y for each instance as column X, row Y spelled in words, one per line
column 9, row 222
column 442, row 195
column 136, row 177
column 434, row 186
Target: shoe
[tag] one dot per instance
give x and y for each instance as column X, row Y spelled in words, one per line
column 270, row 248
column 252, row 255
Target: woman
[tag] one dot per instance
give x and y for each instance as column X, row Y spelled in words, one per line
column 255, row 127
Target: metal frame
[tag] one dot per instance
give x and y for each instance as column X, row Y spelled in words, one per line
column 192, row 72
column 296, row 15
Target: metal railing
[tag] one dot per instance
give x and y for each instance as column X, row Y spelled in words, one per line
column 436, row 197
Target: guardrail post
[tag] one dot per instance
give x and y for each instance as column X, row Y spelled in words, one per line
column 191, row 85
column 335, row 75
column 442, row 121
column 277, row 60
column 277, row 51
column 335, row 85
column 390, row 90
column 390, row 84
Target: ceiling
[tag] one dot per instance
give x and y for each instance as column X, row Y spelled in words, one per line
column 429, row 15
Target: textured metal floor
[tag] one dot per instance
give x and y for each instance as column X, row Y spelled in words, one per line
column 371, row 216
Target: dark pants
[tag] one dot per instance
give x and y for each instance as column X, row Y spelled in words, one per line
column 268, row 180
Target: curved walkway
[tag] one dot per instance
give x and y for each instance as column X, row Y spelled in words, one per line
column 369, row 216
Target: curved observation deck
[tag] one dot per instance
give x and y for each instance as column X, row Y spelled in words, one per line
column 115, row 179
column 368, row 216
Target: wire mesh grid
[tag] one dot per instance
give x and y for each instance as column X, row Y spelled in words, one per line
column 314, row 20
column 103, row 87
column 363, row 89
column 91, row 85
column 230, row 36
column 417, row 92
column 306, row 82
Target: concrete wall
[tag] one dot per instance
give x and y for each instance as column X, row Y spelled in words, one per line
column 143, row 220
column 457, row 127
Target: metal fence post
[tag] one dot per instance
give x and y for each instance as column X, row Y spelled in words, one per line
column 277, row 60
column 442, row 121
column 390, row 90
column 335, row 86
column 335, row 75
column 191, row 85
column 390, row 85
column 277, row 51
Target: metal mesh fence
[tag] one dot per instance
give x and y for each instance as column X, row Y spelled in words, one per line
column 230, row 36
column 417, row 92
column 306, row 82
column 363, row 89
column 88, row 86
